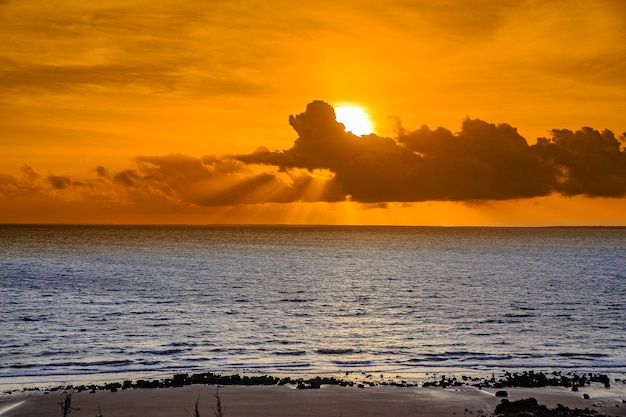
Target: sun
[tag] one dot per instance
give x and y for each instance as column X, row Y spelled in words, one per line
column 355, row 119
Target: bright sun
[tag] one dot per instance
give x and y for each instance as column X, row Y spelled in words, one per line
column 355, row 119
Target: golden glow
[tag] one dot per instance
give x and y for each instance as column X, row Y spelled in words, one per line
column 112, row 113
column 355, row 119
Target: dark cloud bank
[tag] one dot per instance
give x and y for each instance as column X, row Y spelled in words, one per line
column 483, row 161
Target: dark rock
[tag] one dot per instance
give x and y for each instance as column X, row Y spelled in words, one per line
column 528, row 405
column 586, row 396
column 502, row 394
column 315, row 383
column 601, row 378
column 181, row 379
column 575, row 388
column 148, row 384
column 198, row 378
column 530, row 408
column 113, row 387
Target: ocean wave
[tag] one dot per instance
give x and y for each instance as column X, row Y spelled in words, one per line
column 163, row 352
column 290, row 353
column 24, row 365
column 518, row 360
column 336, row 351
column 270, row 366
column 291, row 365
column 459, row 357
column 353, row 364
column 77, row 364
column 182, row 344
column 582, row 355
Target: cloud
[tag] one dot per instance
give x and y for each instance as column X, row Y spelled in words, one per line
column 588, row 162
column 101, row 171
column 126, row 177
column 119, row 78
column 62, row 78
column 179, row 180
column 458, row 19
column 175, row 48
column 481, row 162
column 213, row 181
column 59, row 181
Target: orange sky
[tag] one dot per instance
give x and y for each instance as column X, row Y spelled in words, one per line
column 154, row 111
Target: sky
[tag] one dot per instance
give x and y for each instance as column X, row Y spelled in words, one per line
column 485, row 113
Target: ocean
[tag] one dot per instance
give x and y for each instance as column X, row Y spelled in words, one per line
column 105, row 303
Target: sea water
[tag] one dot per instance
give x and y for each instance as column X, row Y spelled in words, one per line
column 91, row 303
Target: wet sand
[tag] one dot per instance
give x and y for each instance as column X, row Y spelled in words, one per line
column 283, row 401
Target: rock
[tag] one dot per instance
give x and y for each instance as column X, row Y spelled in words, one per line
column 315, row 383
column 528, row 405
column 181, row 379
column 113, row 387
column 148, row 384
column 502, row 394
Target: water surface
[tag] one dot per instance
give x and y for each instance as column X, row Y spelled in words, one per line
column 91, row 302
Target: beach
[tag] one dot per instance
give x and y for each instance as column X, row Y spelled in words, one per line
column 285, row 400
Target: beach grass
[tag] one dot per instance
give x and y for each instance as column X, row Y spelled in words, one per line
column 66, row 405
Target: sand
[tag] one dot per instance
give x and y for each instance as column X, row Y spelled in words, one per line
column 279, row 401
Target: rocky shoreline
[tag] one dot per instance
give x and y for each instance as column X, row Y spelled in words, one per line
column 527, row 379
column 523, row 394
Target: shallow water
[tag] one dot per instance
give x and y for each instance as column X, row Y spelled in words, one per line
column 78, row 302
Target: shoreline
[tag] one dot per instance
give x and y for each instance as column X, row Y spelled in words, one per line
column 271, row 396
column 360, row 379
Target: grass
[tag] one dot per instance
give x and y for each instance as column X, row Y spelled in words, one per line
column 197, row 411
column 219, row 412
column 66, row 405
